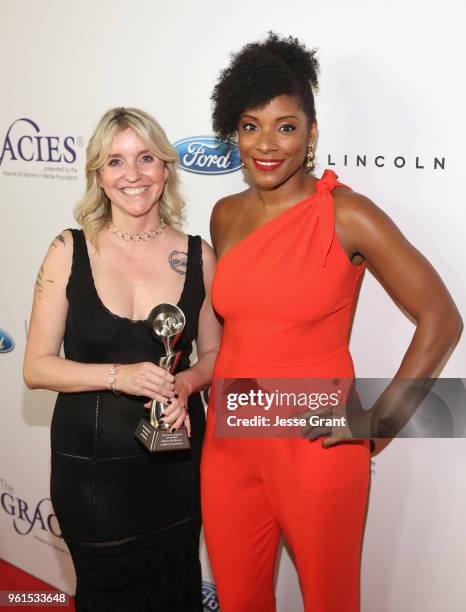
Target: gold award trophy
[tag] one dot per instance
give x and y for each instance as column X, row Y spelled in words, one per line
column 166, row 322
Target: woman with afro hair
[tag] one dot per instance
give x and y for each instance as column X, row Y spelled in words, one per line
column 291, row 252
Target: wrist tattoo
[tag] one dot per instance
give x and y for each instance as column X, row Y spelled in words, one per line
column 178, row 261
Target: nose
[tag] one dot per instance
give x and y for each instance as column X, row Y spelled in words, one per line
column 266, row 141
column 132, row 174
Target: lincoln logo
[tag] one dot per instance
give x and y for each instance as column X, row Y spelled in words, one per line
column 207, row 155
column 24, row 142
column 381, row 161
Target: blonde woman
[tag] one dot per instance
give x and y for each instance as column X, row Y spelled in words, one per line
column 131, row 519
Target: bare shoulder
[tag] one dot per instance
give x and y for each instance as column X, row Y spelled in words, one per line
column 177, row 239
column 366, row 229
column 354, row 209
column 227, row 206
column 224, row 214
column 60, row 252
column 64, row 238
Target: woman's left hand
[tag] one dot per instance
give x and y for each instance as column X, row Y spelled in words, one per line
column 176, row 410
column 327, row 433
column 341, row 424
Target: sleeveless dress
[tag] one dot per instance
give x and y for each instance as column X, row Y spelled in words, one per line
column 131, row 519
column 287, row 294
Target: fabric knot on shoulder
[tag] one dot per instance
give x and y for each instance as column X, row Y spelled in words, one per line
column 326, row 219
column 327, row 182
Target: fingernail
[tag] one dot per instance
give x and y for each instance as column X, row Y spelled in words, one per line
column 176, row 395
column 169, row 401
column 172, row 430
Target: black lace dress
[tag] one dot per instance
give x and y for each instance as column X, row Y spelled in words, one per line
column 131, row 519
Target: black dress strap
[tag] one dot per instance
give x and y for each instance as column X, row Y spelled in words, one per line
column 78, row 279
column 194, row 272
column 193, row 295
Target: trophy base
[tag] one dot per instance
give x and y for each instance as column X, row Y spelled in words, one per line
column 161, row 440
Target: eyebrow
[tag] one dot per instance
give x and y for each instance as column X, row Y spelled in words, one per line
column 278, row 118
column 120, row 155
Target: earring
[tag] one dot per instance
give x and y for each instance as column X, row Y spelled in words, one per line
column 309, row 164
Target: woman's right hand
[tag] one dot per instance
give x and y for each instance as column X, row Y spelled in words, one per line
column 144, row 378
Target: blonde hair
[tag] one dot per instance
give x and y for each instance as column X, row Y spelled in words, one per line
column 93, row 211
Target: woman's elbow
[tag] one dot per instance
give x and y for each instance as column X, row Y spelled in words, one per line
column 450, row 327
column 441, row 327
column 28, row 376
column 459, row 328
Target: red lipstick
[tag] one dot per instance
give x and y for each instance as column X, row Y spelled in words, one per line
column 267, row 165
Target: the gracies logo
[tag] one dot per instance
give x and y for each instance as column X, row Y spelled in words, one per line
column 23, row 141
column 26, row 518
column 207, row 155
column 7, row 343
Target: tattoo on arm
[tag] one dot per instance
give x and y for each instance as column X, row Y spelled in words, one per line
column 57, row 240
column 178, row 261
column 39, row 281
column 40, row 288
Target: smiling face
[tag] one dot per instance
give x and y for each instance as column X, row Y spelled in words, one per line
column 132, row 177
column 273, row 141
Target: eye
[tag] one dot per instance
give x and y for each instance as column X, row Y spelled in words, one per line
column 248, row 127
column 147, row 158
column 114, row 162
column 287, row 127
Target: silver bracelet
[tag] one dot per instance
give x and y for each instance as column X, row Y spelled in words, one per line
column 111, row 379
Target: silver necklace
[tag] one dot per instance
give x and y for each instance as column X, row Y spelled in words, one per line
column 135, row 236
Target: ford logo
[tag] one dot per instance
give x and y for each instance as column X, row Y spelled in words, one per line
column 6, row 342
column 209, row 597
column 207, row 155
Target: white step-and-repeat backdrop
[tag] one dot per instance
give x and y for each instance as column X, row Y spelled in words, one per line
column 392, row 125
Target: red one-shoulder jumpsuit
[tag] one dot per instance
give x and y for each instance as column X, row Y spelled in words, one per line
column 287, row 294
